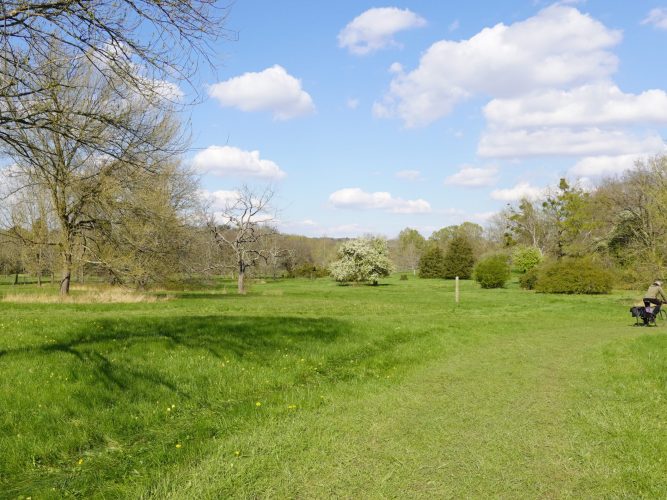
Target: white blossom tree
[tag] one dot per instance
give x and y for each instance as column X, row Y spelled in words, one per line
column 362, row 260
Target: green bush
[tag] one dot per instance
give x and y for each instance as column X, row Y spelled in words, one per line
column 571, row 275
column 309, row 270
column 526, row 258
column 432, row 263
column 528, row 280
column 492, row 271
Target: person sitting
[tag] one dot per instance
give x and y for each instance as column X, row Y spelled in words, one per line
column 654, row 295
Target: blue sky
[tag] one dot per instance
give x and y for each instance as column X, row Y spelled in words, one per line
column 370, row 117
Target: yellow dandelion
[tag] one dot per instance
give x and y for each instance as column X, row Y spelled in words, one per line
column 258, row 404
column 168, row 409
column 237, row 453
column 179, row 445
column 80, row 461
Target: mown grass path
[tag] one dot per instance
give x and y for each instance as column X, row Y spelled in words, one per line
column 387, row 392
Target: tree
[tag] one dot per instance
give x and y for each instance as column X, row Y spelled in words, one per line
column 362, row 260
column 528, row 225
column 567, row 215
column 432, row 263
column 410, row 245
column 87, row 161
column 459, row 259
column 245, row 229
column 147, row 44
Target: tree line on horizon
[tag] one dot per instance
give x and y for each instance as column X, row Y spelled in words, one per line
column 92, row 136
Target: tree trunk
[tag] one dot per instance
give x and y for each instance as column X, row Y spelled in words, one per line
column 39, row 279
column 67, row 273
column 16, row 279
column 241, row 280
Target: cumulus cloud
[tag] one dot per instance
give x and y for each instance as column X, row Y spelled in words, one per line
column 272, row 90
column 230, row 161
column 219, row 200
column 469, row 176
column 557, row 48
column 355, row 198
column 408, row 175
column 518, row 192
column 600, row 166
column 374, row 29
column 598, row 104
column 564, row 141
column 657, row 17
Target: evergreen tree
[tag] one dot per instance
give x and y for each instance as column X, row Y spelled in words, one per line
column 459, row 259
column 432, row 263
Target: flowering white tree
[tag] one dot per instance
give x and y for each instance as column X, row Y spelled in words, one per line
column 361, row 260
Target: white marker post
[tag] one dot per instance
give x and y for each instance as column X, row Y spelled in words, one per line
column 456, row 290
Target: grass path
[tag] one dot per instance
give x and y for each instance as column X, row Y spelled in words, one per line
column 504, row 416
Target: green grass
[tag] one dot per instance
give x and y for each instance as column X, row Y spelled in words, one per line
column 308, row 389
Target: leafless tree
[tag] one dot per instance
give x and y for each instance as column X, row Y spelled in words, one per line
column 244, row 225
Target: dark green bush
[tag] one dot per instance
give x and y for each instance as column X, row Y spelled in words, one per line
column 571, row 275
column 432, row 263
column 528, row 280
column 492, row 271
column 404, row 277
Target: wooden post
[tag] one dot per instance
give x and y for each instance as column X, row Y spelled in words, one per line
column 456, row 290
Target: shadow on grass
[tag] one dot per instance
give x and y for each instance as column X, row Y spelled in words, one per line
column 123, row 354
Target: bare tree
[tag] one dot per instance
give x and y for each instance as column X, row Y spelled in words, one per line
column 245, row 227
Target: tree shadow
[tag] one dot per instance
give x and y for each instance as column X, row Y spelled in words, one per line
column 99, row 351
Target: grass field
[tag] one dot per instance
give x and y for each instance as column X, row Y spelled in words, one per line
column 306, row 389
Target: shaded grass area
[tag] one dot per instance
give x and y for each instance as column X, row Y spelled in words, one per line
column 308, row 389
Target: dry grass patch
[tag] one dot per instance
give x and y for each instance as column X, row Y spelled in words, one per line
column 85, row 295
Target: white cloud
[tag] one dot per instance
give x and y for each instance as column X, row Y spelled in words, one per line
column 596, row 104
column 564, row 142
column 599, row 166
column 409, row 175
column 657, row 17
column 518, row 192
column 230, row 161
column 375, row 28
column 396, row 67
column 352, row 103
column 559, row 47
column 219, row 200
column 454, row 25
column 469, row 176
column 355, row 198
column 271, row 90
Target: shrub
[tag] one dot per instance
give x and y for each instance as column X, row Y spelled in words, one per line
column 404, row 277
column 309, row 270
column 526, row 258
column 528, row 280
column 571, row 275
column 492, row 271
column 459, row 259
column 432, row 263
